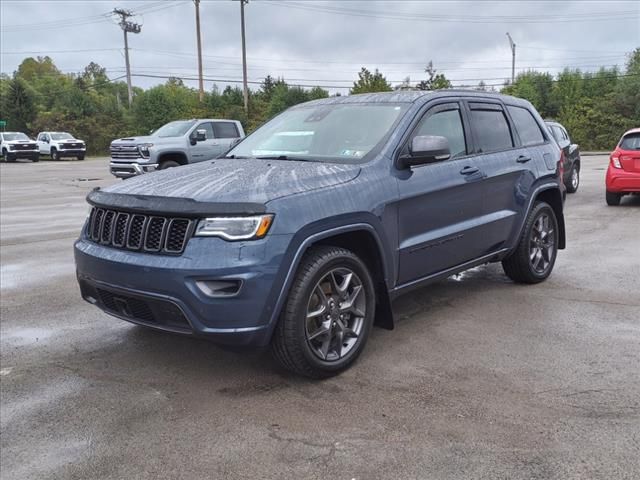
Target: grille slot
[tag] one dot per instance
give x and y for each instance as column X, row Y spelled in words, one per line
column 153, row 234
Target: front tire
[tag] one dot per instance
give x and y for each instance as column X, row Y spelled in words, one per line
column 534, row 257
column 168, row 164
column 55, row 155
column 574, row 180
column 80, row 157
column 613, row 199
column 36, row 158
column 328, row 314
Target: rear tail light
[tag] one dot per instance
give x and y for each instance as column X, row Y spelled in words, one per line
column 615, row 161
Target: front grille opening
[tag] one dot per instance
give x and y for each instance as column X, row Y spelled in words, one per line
column 153, row 234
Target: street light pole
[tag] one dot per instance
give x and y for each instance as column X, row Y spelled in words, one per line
column 513, row 58
column 127, row 27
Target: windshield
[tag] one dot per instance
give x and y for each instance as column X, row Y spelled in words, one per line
column 10, row 137
column 60, row 136
column 630, row 142
column 342, row 133
column 174, row 129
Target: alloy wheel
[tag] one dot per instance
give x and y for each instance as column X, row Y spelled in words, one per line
column 541, row 244
column 574, row 178
column 335, row 314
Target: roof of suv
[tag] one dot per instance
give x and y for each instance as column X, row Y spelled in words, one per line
column 411, row 96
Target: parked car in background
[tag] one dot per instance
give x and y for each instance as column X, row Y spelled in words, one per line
column 386, row 192
column 174, row 144
column 623, row 174
column 571, row 156
column 61, row 145
column 17, row 145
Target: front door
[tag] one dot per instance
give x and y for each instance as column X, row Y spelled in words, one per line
column 206, row 149
column 440, row 203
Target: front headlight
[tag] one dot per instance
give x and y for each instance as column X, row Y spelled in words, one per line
column 9, row 147
column 235, row 228
column 144, row 148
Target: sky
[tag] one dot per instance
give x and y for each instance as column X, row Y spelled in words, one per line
column 322, row 42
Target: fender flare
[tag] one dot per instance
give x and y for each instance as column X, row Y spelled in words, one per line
column 560, row 218
column 384, row 314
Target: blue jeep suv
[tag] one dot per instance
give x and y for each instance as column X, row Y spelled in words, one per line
column 302, row 234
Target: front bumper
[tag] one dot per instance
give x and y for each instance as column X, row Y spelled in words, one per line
column 126, row 170
column 23, row 154
column 76, row 152
column 162, row 291
column 622, row 181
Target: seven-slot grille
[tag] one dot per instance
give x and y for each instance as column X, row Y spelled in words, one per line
column 134, row 231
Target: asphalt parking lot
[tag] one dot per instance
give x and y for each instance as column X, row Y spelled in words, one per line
column 481, row 378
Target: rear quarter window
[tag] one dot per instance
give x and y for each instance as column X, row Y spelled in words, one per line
column 630, row 141
column 528, row 129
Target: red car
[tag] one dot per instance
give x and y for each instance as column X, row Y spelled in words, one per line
column 623, row 175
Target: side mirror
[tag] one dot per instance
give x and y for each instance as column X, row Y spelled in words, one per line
column 201, row 135
column 426, row 149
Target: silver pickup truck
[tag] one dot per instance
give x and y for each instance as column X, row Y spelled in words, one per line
column 174, row 144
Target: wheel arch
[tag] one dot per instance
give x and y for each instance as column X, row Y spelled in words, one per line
column 363, row 239
column 553, row 196
column 175, row 156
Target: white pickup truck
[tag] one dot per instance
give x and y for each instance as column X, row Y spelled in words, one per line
column 174, row 144
column 17, row 145
column 60, row 145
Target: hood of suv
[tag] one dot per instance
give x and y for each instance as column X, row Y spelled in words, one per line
column 241, row 181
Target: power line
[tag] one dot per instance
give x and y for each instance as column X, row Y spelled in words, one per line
column 127, row 27
column 414, row 16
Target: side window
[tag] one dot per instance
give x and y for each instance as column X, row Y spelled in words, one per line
column 492, row 129
column 527, row 127
column 446, row 123
column 207, row 128
column 225, row 130
column 557, row 133
column 565, row 134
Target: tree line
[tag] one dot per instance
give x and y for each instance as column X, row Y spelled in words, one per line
column 595, row 107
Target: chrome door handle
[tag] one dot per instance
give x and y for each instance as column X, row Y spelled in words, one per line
column 469, row 170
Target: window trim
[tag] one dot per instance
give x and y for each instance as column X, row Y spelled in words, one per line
column 442, row 105
column 493, row 106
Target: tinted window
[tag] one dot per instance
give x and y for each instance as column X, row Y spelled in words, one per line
column 630, row 142
column 225, row 130
column 445, row 124
column 492, row 130
column 526, row 125
column 206, row 127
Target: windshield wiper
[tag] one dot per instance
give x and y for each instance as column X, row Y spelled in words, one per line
column 283, row 157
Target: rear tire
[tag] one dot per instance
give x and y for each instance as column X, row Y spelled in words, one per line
column 533, row 259
column 613, row 199
column 574, row 179
column 327, row 316
column 168, row 164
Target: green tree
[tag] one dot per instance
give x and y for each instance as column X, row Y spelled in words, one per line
column 435, row 81
column 20, row 105
column 370, row 82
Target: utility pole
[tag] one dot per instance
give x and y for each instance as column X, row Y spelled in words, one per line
column 513, row 58
column 127, row 27
column 200, row 81
column 244, row 59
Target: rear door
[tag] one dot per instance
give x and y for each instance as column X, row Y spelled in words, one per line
column 630, row 152
column 226, row 133
column 207, row 149
column 509, row 166
column 440, row 203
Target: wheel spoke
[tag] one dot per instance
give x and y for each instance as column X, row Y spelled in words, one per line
column 349, row 305
column 317, row 312
column 323, row 330
column 326, row 343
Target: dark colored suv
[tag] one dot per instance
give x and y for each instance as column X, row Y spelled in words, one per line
column 303, row 234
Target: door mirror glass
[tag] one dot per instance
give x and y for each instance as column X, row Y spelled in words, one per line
column 199, row 135
column 426, row 149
